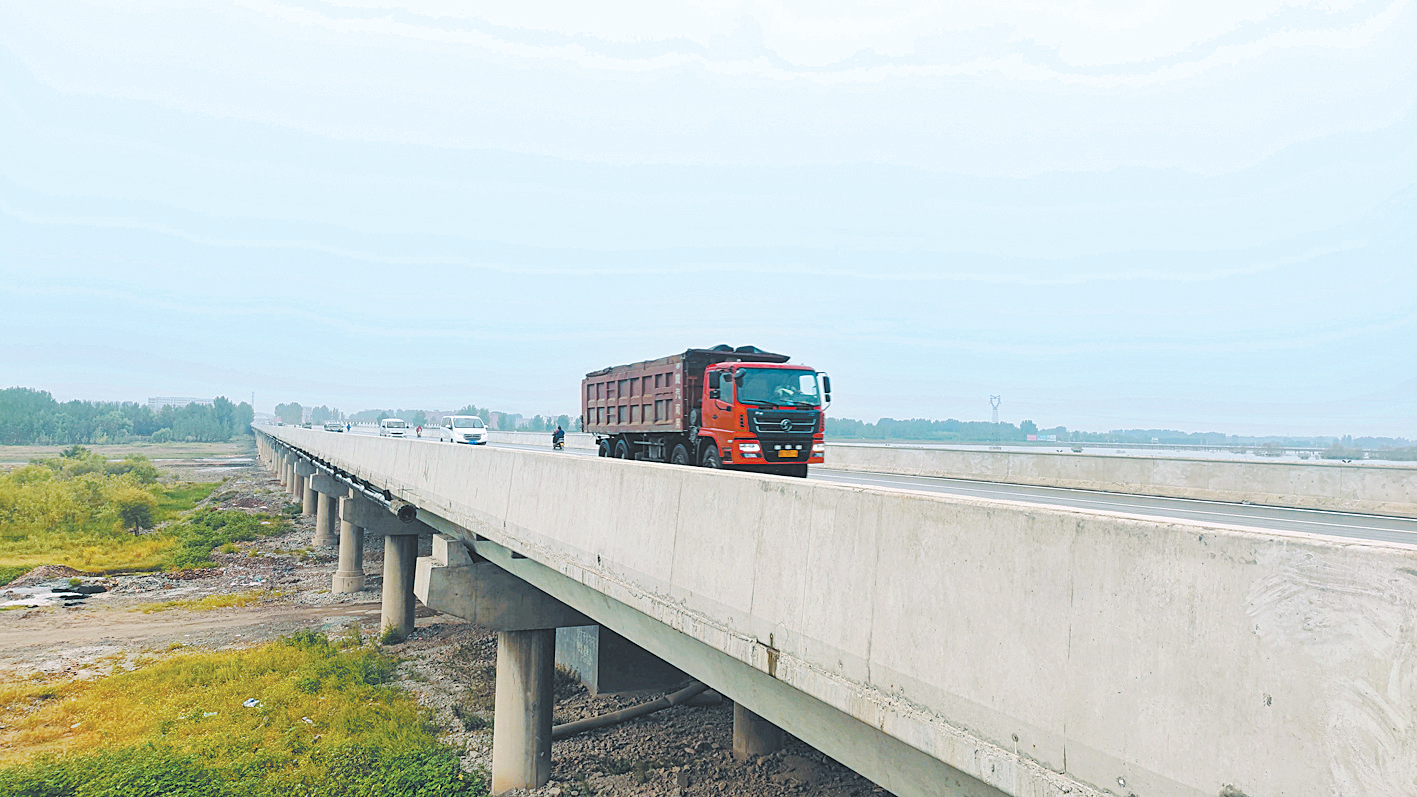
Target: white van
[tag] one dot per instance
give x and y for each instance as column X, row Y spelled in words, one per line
column 465, row 429
column 393, row 427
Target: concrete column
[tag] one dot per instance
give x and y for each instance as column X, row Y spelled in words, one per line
column 350, row 575
column 400, row 562
column 521, row 718
column 326, row 519
column 753, row 735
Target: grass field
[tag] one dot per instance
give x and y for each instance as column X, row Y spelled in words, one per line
column 10, row 455
column 303, row 716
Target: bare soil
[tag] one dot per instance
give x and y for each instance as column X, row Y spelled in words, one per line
column 447, row 664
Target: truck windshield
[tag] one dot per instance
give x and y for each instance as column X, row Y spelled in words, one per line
column 779, row 387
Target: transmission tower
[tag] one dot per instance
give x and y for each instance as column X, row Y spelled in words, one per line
column 995, row 401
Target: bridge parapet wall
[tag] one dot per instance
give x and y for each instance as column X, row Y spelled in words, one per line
column 1033, row 649
column 1365, row 488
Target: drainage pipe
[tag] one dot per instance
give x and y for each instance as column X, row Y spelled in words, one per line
column 624, row 714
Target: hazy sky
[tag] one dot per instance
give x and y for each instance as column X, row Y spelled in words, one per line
column 1193, row 215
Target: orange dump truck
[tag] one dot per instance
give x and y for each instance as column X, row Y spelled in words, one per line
column 723, row 407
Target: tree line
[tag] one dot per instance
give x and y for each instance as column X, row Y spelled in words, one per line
column 33, row 417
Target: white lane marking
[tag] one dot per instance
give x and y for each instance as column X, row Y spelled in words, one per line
column 1114, row 505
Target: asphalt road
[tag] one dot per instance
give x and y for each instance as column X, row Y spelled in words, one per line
column 1263, row 518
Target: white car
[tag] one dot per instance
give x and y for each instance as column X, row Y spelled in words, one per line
column 465, row 429
column 393, row 427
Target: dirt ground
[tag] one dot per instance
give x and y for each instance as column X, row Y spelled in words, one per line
column 447, row 664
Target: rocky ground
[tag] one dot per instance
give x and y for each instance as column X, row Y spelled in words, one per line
column 448, row 664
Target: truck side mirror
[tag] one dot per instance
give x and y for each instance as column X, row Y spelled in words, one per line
column 714, row 393
column 827, row 387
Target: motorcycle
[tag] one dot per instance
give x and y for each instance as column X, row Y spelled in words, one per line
column 557, row 443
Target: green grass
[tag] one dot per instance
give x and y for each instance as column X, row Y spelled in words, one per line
column 179, row 498
column 326, row 724
column 9, row 573
column 181, row 544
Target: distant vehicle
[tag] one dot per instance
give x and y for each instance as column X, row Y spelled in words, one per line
column 393, row 427
column 334, row 426
column 465, row 429
column 742, row 408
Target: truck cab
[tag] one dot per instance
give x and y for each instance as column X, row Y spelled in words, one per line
column 763, row 414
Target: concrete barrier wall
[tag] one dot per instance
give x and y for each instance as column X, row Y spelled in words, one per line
column 1028, row 647
column 573, row 439
column 1365, row 488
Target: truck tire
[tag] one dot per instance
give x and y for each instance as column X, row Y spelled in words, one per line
column 602, row 449
column 622, row 450
column 711, row 459
column 680, row 455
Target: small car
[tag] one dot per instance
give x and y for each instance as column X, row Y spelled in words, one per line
column 465, row 429
column 334, row 426
column 393, row 427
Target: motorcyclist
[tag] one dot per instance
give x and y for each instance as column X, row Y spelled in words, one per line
column 558, row 437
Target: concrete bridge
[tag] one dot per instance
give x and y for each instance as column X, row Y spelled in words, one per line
column 938, row 645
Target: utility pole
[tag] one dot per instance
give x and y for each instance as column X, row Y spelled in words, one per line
column 995, row 401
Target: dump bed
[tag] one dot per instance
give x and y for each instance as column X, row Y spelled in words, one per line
column 655, row 395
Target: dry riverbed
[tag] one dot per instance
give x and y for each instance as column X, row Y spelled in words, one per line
column 447, row 664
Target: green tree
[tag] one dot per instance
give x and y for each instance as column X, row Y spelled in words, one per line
column 290, row 413
column 136, row 508
column 113, row 426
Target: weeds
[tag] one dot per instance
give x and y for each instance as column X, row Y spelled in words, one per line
column 304, row 716
column 228, row 601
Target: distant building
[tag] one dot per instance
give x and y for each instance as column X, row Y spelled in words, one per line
column 159, row 402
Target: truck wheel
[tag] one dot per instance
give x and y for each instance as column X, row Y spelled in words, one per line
column 711, row 459
column 680, row 456
column 602, row 449
column 622, row 450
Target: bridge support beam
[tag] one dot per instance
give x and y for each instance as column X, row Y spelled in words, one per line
column 521, row 723
column 400, row 560
column 753, row 735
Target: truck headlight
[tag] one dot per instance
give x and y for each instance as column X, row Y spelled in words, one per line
column 749, row 448
column 819, row 448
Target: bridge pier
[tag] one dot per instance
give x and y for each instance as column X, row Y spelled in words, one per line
column 400, row 559
column 350, row 575
column 328, row 491
column 525, row 618
column 753, row 735
column 521, row 721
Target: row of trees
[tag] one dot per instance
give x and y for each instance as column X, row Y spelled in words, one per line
column 293, row 413
column 33, row 417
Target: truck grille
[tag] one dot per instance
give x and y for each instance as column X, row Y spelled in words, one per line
column 783, row 423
